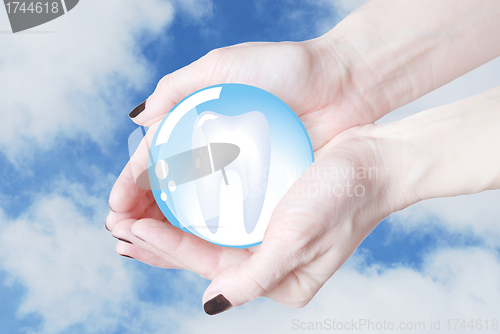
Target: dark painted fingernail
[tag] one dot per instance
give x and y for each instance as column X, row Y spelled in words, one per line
column 111, row 209
column 130, row 257
column 106, row 226
column 217, row 305
column 128, row 242
column 137, row 110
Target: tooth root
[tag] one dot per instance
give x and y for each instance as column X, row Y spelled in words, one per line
column 213, row 224
column 251, row 215
column 256, row 191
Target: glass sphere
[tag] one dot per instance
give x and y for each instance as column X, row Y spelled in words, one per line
column 223, row 158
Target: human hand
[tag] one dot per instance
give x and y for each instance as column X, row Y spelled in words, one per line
column 309, row 76
column 312, row 232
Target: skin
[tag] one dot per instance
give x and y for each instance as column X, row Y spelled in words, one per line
column 384, row 55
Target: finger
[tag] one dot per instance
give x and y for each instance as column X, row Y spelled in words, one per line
column 173, row 88
column 300, row 285
column 153, row 212
column 130, row 196
column 196, row 254
column 129, row 245
column 125, row 192
column 142, row 205
column 130, row 251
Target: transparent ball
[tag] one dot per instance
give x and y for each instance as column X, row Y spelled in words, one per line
column 223, row 158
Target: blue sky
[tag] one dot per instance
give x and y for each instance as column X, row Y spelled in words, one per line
column 65, row 95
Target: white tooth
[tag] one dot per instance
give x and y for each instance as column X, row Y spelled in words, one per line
column 250, row 132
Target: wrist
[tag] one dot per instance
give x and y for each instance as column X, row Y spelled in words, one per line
column 446, row 151
column 394, row 52
column 344, row 65
column 382, row 154
column 373, row 73
column 391, row 153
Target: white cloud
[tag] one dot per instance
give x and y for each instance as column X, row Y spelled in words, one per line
column 198, row 10
column 475, row 215
column 70, row 77
column 454, row 283
column 67, row 264
column 72, row 276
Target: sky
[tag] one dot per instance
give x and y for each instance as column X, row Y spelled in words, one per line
column 65, row 92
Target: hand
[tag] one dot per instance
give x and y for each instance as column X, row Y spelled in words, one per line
column 309, row 76
column 312, row 232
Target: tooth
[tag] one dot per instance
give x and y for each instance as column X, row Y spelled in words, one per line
column 250, row 134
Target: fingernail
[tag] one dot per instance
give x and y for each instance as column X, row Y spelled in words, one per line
column 137, row 110
column 130, row 257
column 217, row 305
column 111, row 209
column 128, row 242
column 106, row 226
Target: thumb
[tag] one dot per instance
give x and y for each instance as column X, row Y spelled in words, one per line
column 250, row 279
column 288, row 245
column 173, row 87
